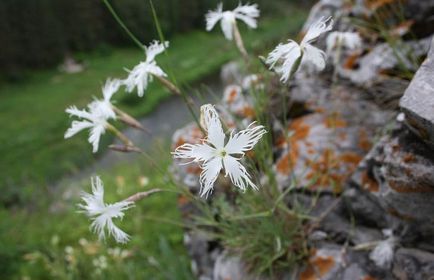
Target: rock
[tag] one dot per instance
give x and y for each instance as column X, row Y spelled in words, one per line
column 231, row 267
column 421, row 13
column 406, row 173
column 334, row 262
column 231, row 73
column 315, row 150
column 384, row 58
column 418, row 100
column 413, row 264
column 202, row 252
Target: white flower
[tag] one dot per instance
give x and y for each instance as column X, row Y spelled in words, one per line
column 142, row 73
column 104, row 106
column 95, row 119
column 349, row 40
column 246, row 13
column 102, row 213
column 214, row 155
column 400, row 117
column 382, row 255
column 294, row 55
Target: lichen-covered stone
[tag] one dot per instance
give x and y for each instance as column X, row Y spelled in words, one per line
column 383, row 58
column 413, row 264
column 321, row 151
column 418, row 100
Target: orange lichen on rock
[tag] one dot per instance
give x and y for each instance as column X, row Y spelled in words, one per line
column 232, row 95
column 364, row 143
column 248, row 112
column 395, row 213
column 351, row 61
column 194, row 169
column 317, row 268
column 183, row 200
column 326, row 172
column 179, row 142
column 368, row 183
column 402, row 28
column 300, row 132
column 376, row 4
column 286, row 163
column 405, row 188
column 407, row 158
column 368, row 277
column 335, row 122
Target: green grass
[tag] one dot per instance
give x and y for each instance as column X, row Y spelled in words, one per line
column 155, row 251
column 32, row 117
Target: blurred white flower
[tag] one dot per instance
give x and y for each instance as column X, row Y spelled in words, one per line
column 400, row 117
column 349, row 40
column 143, row 73
column 102, row 213
column 292, row 55
column 95, row 119
column 383, row 253
column 104, row 106
column 246, row 13
column 214, row 155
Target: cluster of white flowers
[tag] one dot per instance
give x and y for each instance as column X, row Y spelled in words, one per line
column 213, row 153
column 101, row 111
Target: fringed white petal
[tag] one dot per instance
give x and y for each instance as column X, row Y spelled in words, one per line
column 210, row 171
column 95, row 135
column 212, row 126
column 197, row 152
column 76, row 127
column 245, row 140
column 237, row 173
column 212, row 17
column 154, row 49
column 73, row 111
column 154, row 69
column 110, row 87
column 227, row 24
column 248, row 14
column 321, row 26
column 315, row 56
column 102, row 109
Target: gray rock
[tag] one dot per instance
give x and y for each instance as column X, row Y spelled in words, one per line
column 231, row 73
column 406, row 173
column 418, row 100
column 383, row 57
column 202, row 253
column 231, row 267
column 413, row 264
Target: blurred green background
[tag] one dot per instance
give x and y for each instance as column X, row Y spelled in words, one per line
column 41, row 235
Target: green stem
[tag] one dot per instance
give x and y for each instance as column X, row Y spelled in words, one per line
column 122, row 24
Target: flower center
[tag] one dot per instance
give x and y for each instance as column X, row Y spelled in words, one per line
column 222, row 153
